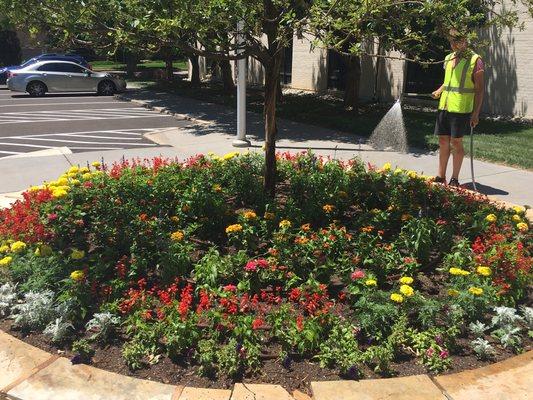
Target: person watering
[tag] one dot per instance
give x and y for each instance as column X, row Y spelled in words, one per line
column 461, row 97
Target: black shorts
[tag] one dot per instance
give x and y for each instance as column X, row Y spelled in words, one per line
column 455, row 124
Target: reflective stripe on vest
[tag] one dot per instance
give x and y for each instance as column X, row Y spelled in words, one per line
column 458, row 92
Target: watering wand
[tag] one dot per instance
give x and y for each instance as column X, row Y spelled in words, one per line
column 472, row 157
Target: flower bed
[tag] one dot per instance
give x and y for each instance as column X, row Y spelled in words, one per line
column 352, row 271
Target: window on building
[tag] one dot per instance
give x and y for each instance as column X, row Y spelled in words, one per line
column 424, row 79
column 337, row 71
column 286, row 66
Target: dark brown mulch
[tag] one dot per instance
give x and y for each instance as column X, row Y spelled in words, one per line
column 297, row 375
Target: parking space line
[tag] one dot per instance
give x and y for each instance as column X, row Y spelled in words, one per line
column 9, row 152
column 56, row 104
column 119, row 131
column 101, row 137
column 25, row 145
column 81, row 141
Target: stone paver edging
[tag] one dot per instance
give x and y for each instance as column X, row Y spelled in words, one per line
column 28, row 373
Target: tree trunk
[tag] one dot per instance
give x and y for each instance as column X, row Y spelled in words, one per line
column 131, row 64
column 353, row 82
column 227, row 76
column 169, row 67
column 195, row 73
column 280, row 92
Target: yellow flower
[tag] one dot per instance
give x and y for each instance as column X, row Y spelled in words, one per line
column 407, row 290
column 177, row 236
column 328, row 208
column 217, row 188
column 285, row 224
column 458, row 271
column 75, row 182
column 250, row 215
column 386, row 167
column 406, row 217
column 234, row 228
column 491, row 218
column 476, row 291
column 77, row 275
column 406, row 280
column 522, row 227
column 375, row 211
column 453, row 292
column 4, row 249
column 269, row 216
column 18, row 247
column 77, row 254
column 398, row 298
column 86, row 176
column 73, row 170
column 58, row 193
column 517, row 218
column 485, row 271
column 84, row 170
column 96, row 164
column 72, row 174
column 398, row 171
column 518, row 209
column 35, row 188
column 231, row 155
column 371, row 282
column 411, row 174
column 175, row 218
column 4, row 262
column 43, row 250
column 62, row 182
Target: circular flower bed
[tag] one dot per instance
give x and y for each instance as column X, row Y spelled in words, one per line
column 358, row 271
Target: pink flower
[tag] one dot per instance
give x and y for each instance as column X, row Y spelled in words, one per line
column 52, row 217
column 444, row 354
column 429, row 352
column 230, row 288
column 251, row 266
column 359, row 274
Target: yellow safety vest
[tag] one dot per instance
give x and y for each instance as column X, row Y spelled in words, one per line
column 458, row 93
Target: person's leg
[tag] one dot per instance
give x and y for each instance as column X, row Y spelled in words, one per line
column 458, row 156
column 444, row 155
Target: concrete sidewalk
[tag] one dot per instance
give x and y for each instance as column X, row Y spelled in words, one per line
column 212, row 128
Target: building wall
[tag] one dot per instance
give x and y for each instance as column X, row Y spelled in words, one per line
column 309, row 66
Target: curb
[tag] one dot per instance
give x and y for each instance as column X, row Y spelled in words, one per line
column 55, row 377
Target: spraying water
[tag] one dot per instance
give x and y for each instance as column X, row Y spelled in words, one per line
column 390, row 132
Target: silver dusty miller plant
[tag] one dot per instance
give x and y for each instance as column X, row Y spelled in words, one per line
column 477, row 328
column 58, row 330
column 8, row 297
column 482, row 348
column 36, row 310
column 527, row 312
column 104, row 324
column 506, row 317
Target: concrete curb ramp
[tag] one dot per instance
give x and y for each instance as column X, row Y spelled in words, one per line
column 28, row 373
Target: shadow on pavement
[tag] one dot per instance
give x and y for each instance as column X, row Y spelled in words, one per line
column 488, row 190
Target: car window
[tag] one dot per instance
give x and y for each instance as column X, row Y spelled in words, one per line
column 61, row 67
column 74, row 69
column 49, row 67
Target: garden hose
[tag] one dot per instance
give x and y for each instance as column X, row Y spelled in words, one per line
column 472, row 157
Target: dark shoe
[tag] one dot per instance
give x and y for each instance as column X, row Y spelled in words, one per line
column 454, row 182
column 438, row 179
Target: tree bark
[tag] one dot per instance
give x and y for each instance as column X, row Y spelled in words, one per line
column 195, row 73
column 131, row 64
column 353, row 82
column 168, row 66
column 271, row 93
column 227, row 76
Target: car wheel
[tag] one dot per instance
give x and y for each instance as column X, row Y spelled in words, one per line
column 106, row 88
column 36, row 89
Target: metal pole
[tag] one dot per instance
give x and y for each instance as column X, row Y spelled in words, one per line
column 241, row 140
column 472, row 157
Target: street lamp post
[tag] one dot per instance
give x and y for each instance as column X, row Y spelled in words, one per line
column 241, row 140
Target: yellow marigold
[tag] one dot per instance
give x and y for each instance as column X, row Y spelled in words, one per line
column 250, row 215
column 72, row 174
column 77, row 254
column 231, row 155
column 62, row 182
column 398, row 298
column 43, row 250
column 84, row 170
column 407, row 290
column 476, row 291
column 59, row 193
column 269, row 216
column 398, row 171
column 4, row 249
column 328, row 208
column 517, row 218
column 406, row 280
column 406, row 217
column 4, row 262
column 522, row 227
column 217, row 188
column 458, row 271
column 35, row 188
column 77, row 275
column 485, row 271
column 96, row 164
column 411, row 174
column 86, row 176
column 453, row 292
column 18, row 247
column 386, row 167
column 519, row 209
column 371, row 282
column 285, row 223
column 75, row 182
column 74, row 169
column 491, row 218
column 175, row 218
column 234, row 228
column 177, row 236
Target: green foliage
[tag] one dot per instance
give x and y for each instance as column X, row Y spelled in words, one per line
column 341, row 349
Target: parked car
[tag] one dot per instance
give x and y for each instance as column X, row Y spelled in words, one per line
column 44, row 57
column 62, row 76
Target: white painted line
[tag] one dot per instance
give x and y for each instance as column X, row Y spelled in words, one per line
column 9, row 152
column 96, row 148
column 56, row 104
column 26, row 145
column 82, row 119
column 120, row 131
column 100, row 137
column 72, row 141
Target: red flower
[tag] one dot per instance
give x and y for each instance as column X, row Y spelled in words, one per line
column 230, row 288
column 358, row 274
column 204, row 302
column 300, row 323
column 295, row 294
column 257, row 323
column 185, row 301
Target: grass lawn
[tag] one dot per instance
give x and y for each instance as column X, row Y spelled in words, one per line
column 509, row 143
column 113, row 65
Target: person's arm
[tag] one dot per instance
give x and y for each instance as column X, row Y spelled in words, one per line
column 479, row 87
column 436, row 94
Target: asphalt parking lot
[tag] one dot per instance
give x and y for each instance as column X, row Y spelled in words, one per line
column 81, row 122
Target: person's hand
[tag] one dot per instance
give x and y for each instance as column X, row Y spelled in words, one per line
column 436, row 94
column 474, row 120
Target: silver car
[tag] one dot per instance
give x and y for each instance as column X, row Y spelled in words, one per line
column 62, row 76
